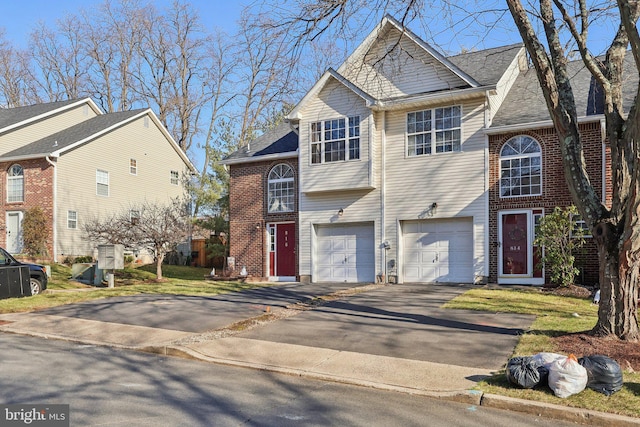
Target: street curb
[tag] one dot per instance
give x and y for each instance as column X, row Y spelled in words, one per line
column 472, row 397
column 558, row 412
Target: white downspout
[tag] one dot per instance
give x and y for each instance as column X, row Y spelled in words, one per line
column 54, row 228
column 383, row 173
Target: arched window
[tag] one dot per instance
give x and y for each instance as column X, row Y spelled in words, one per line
column 15, row 184
column 520, row 167
column 281, row 189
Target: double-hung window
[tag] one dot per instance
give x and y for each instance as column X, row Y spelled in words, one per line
column 72, row 220
column 434, row 131
column 102, row 182
column 335, row 140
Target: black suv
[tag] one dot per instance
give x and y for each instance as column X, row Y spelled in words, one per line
column 13, row 275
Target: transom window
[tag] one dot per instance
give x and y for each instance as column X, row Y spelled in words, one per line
column 281, row 189
column 335, row 140
column 434, row 131
column 15, row 184
column 521, row 167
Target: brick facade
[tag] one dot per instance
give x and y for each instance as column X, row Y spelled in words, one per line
column 554, row 189
column 38, row 191
column 249, row 215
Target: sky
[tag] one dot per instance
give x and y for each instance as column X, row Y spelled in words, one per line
column 19, row 17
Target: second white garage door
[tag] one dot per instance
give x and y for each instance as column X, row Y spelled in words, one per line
column 345, row 253
column 438, row 250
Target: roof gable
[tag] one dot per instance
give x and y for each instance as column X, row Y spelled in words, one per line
column 11, row 118
column 393, row 62
column 57, row 144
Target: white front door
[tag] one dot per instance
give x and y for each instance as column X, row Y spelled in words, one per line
column 14, row 232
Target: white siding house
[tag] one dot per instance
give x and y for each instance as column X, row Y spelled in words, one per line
column 393, row 162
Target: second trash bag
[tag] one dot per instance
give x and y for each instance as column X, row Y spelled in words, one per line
column 605, row 375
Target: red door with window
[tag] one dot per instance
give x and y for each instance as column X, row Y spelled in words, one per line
column 515, row 246
column 285, row 250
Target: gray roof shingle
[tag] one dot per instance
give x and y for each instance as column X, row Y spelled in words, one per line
column 281, row 139
column 525, row 102
column 65, row 138
column 486, row 66
column 11, row 116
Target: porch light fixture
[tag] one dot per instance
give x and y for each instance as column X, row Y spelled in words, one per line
column 341, row 212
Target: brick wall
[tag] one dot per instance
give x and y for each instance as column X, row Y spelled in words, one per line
column 38, row 191
column 249, row 215
column 554, row 190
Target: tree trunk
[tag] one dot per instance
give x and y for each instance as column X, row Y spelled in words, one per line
column 159, row 261
column 617, row 313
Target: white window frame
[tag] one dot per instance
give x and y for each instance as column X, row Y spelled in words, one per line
column 430, row 132
column 134, row 216
column 515, row 165
column 175, row 178
column 15, row 184
column 72, row 220
column 579, row 223
column 102, row 183
column 342, row 130
column 281, row 191
column 133, row 166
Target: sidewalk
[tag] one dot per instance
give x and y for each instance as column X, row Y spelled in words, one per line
column 387, row 373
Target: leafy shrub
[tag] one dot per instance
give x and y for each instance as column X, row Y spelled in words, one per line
column 558, row 234
column 34, row 233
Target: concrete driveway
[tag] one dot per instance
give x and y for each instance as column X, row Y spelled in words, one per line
column 402, row 321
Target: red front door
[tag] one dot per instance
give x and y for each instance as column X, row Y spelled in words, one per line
column 285, row 245
column 515, row 245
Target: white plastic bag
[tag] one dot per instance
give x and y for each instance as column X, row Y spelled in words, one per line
column 546, row 359
column 567, row 377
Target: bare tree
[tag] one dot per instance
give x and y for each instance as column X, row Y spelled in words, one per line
column 155, row 227
column 550, row 33
column 616, row 230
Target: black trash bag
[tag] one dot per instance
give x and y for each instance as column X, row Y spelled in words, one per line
column 525, row 372
column 605, row 375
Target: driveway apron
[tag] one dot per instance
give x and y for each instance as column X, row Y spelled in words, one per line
column 404, row 321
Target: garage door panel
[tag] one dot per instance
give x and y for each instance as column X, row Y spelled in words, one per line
column 438, row 250
column 345, row 253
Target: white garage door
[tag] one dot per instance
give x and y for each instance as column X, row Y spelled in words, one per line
column 438, row 250
column 345, row 253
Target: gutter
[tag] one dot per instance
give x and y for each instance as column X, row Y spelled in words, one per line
column 538, row 124
column 266, row 157
column 54, row 228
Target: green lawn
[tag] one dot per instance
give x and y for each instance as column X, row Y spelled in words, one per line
column 555, row 316
column 178, row 280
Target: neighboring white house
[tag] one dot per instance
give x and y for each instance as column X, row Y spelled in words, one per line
column 393, row 161
column 74, row 161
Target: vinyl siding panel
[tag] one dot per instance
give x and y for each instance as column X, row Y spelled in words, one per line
column 76, row 177
column 35, row 131
column 455, row 181
column 335, row 101
column 396, row 67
